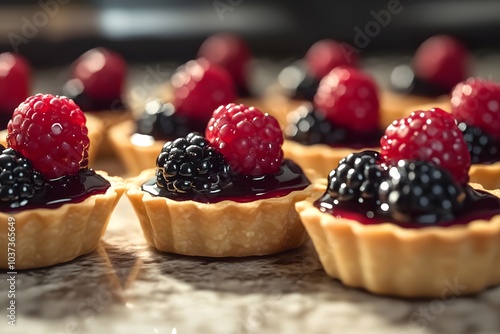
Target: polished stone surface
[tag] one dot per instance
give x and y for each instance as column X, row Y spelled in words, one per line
column 126, row 287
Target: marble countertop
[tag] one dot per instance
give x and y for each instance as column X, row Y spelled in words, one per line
column 126, row 287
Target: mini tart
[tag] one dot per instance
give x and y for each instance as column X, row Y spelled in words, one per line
column 136, row 158
column 95, row 132
column 45, row 237
column 223, row 229
column 391, row 260
column 317, row 160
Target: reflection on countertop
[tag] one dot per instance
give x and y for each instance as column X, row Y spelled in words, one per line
column 127, row 287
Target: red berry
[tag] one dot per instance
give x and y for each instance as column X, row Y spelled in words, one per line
column 324, row 55
column 249, row 140
column 349, row 98
column 477, row 103
column 230, row 52
column 201, row 87
column 102, row 73
column 431, row 135
column 441, row 60
column 15, row 76
column 50, row 131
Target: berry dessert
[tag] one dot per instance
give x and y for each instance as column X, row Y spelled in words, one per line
column 15, row 82
column 232, row 53
column 198, row 89
column 437, row 66
column 57, row 206
column 299, row 82
column 405, row 221
column 228, row 193
column 96, row 85
column 475, row 104
column 345, row 117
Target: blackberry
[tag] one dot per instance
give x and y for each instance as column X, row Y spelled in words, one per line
column 162, row 122
column 18, row 180
column 298, row 83
column 356, row 178
column 420, row 192
column 482, row 147
column 309, row 127
column 190, row 164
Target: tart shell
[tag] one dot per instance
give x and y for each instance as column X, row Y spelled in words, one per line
column 108, row 119
column 317, row 160
column 223, row 229
column 45, row 237
column 390, row 260
column 135, row 158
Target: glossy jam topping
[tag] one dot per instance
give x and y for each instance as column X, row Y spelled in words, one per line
column 478, row 205
column 243, row 188
column 310, row 127
column 404, row 81
column 161, row 122
column 67, row 189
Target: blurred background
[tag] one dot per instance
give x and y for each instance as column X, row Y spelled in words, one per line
column 55, row 32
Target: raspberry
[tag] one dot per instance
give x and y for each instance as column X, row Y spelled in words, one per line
column 229, row 52
column 349, row 99
column 477, row 103
column 324, row 55
column 441, row 60
column 431, row 135
column 420, row 192
column 201, row 87
column 102, row 73
column 249, row 140
column 190, row 164
column 357, row 178
column 18, row 180
column 15, row 78
column 50, row 131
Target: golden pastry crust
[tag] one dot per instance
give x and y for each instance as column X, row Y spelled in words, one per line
column 45, row 237
column 95, row 132
column 317, row 160
column 108, row 118
column 394, row 106
column 135, row 158
column 487, row 176
column 391, row 260
column 224, row 229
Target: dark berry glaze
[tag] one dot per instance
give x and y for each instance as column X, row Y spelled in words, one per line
column 312, row 128
column 67, row 189
column 243, row 188
column 478, row 205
